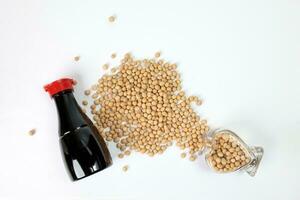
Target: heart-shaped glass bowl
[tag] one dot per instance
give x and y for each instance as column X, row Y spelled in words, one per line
column 253, row 154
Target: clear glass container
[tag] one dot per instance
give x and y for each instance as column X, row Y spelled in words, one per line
column 222, row 157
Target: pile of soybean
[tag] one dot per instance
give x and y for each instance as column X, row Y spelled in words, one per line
column 140, row 106
column 227, row 154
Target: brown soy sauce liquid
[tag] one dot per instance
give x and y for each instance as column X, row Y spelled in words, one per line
column 84, row 150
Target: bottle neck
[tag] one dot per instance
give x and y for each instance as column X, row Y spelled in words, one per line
column 69, row 112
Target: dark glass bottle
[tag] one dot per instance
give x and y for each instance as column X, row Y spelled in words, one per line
column 84, row 150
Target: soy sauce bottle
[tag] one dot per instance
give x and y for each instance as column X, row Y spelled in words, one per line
column 83, row 149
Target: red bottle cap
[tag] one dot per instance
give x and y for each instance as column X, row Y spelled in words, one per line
column 59, row 85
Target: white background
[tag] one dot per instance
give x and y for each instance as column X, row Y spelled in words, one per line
column 241, row 57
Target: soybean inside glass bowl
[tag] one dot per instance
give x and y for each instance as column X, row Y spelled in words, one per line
column 253, row 155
